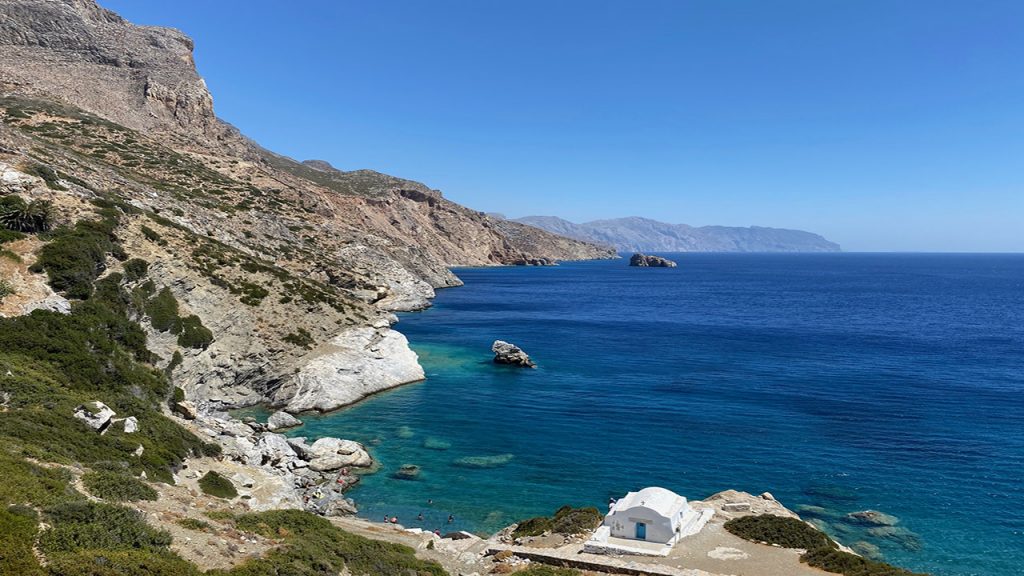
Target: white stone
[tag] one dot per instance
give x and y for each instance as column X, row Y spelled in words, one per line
column 95, row 414
column 131, row 425
column 279, row 420
column 353, row 365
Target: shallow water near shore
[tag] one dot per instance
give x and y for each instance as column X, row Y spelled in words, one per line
column 842, row 381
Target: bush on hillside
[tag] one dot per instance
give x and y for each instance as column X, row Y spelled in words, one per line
column 21, row 216
column 567, row 520
column 779, row 530
column 214, row 484
column 75, row 257
column 135, row 269
column 314, row 546
column 839, row 562
column 117, row 486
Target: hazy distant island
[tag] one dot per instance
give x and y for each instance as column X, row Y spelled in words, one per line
column 636, row 234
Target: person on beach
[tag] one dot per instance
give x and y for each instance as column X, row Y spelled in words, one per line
column 394, row 519
column 420, row 517
column 451, row 518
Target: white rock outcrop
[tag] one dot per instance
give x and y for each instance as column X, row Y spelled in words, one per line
column 96, row 415
column 353, row 365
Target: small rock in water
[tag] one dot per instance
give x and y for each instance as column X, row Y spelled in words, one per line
column 508, row 353
column 872, row 518
column 645, row 261
column 408, row 472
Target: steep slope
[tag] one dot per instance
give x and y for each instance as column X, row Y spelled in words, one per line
column 288, row 264
column 644, row 234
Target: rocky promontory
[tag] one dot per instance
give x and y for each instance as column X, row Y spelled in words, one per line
column 645, row 261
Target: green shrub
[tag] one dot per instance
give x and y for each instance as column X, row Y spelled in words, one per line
column 75, row 257
column 153, row 235
column 21, row 216
column 567, row 520
column 302, row 339
column 6, row 289
column 194, row 334
column 778, row 530
column 163, row 312
column 194, row 524
column 315, row 547
column 103, row 562
column 80, row 526
column 9, row 235
column 135, row 269
column 839, row 562
column 117, row 486
column 214, row 484
column 532, row 527
column 17, row 536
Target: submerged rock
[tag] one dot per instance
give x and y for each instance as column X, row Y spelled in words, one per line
column 495, row 461
column 408, row 472
column 872, row 518
column 280, row 420
column 508, row 353
column 432, row 443
column 645, row 261
column 908, row 540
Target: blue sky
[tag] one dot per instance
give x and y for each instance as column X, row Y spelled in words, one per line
column 882, row 125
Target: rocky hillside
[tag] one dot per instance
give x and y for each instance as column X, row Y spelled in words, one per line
column 292, row 267
column 642, row 234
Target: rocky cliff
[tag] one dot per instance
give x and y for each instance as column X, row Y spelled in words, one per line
column 293, row 267
column 643, row 234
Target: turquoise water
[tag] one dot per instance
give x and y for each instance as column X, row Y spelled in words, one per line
column 845, row 381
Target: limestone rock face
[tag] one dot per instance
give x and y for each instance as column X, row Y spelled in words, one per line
column 275, row 257
column 280, row 420
column 96, row 415
column 645, row 261
column 353, row 365
column 508, row 353
column 141, row 76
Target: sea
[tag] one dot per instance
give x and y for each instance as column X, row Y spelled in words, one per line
column 837, row 382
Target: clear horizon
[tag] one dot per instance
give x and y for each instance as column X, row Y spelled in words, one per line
column 880, row 126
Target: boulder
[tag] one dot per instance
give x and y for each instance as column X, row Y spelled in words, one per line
column 508, row 353
column 280, row 420
column 274, row 449
column 340, row 507
column 96, row 415
column 332, row 462
column 186, row 409
column 131, row 425
column 645, row 261
column 330, row 446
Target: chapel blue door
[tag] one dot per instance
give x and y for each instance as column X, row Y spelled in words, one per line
column 641, row 531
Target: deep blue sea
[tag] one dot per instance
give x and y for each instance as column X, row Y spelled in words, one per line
column 845, row 381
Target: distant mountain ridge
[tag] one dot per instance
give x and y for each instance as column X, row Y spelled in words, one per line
column 643, row 234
